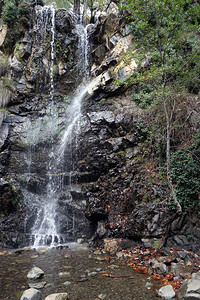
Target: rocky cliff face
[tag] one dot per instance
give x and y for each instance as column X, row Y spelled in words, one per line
column 108, row 176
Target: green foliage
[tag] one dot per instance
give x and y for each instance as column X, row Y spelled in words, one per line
column 120, row 154
column 9, row 12
column 143, row 95
column 168, row 32
column 40, row 2
column 16, row 14
column 60, row 3
column 186, row 175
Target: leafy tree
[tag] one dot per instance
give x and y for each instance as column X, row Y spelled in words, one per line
column 159, row 28
column 77, row 7
column 16, row 14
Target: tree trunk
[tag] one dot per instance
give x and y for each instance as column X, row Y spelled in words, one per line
column 77, row 7
column 168, row 161
column 177, row 204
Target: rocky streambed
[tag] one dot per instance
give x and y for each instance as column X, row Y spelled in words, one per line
column 79, row 272
column 114, row 272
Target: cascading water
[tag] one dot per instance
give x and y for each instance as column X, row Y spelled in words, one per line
column 46, row 228
column 83, row 49
column 52, row 52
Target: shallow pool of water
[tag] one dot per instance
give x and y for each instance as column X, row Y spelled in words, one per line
column 81, row 272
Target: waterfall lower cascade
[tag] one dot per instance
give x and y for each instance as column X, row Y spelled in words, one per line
column 59, row 159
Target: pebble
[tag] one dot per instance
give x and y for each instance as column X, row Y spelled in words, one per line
column 97, row 252
column 34, row 256
column 119, row 255
column 83, row 248
column 64, row 274
column 67, row 256
column 80, row 241
column 102, row 296
column 92, row 274
column 112, row 267
column 66, row 283
column 98, row 270
column 42, row 251
column 67, row 267
column 148, row 285
column 99, row 258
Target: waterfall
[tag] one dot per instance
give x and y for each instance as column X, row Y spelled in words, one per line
column 46, row 228
column 52, row 52
column 45, row 26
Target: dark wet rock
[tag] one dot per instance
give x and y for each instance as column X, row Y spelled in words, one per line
column 35, row 273
column 10, row 197
column 182, row 254
column 181, row 240
column 167, row 292
column 65, row 22
column 25, row 48
column 31, row 294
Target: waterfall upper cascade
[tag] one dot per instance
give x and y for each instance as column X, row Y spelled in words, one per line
column 59, row 159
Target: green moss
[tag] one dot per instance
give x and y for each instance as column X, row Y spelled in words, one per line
column 155, row 244
column 124, row 175
column 103, row 100
column 121, row 153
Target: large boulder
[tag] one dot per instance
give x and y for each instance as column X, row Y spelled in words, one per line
column 190, row 290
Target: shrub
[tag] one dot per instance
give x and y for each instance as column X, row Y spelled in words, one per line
column 185, row 175
column 143, row 95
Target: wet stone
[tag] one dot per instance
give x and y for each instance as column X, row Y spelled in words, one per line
column 35, row 273
column 37, row 285
column 90, row 274
column 160, row 268
column 66, row 283
column 31, row 294
column 166, row 292
column 64, row 274
column 102, row 296
column 100, row 258
column 59, row 296
column 98, row 270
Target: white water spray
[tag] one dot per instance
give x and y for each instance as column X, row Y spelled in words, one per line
column 52, row 52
